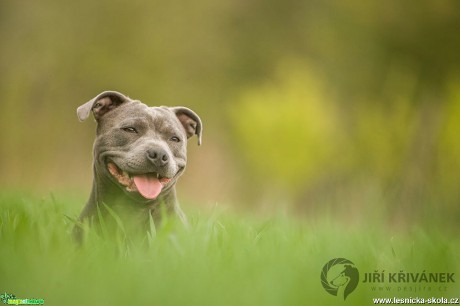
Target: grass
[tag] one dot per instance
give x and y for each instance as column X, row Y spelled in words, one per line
column 223, row 259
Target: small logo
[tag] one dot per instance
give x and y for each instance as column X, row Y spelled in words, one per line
column 10, row 299
column 6, row 296
column 339, row 277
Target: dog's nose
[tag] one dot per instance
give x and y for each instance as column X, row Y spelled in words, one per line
column 158, row 156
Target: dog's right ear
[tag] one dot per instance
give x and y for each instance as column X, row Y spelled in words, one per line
column 101, row 104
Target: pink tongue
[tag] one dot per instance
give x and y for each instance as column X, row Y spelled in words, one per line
column 148, row 185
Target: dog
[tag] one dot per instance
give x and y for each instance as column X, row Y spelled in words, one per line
column 139, row 154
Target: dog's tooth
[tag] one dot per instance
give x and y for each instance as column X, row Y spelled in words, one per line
column 125, row 174
column 158, row 175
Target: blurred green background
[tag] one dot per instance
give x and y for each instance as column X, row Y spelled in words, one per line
column 342, row 108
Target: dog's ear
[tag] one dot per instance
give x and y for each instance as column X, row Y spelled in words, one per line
column 101, row 104
column 190, row 121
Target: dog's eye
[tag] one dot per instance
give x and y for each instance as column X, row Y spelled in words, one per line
column 129, row 129
column 175, row 139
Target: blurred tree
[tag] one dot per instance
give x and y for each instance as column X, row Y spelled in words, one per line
column 287, row 129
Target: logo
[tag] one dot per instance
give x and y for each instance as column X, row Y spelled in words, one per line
column 6, row 296
column 339, row 277
column 10, row 299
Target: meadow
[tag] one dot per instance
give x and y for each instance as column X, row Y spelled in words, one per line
column 222, row 259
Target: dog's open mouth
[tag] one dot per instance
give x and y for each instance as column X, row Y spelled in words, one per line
column 149, row 185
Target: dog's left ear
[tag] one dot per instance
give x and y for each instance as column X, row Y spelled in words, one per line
column 101, row 104
column 190, row 121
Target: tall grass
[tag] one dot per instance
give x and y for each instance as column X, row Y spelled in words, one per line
column 222, row 259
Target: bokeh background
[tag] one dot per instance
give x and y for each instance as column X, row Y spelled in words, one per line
column 348, row 109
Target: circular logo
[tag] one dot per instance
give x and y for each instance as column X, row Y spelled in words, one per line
column 339, row 277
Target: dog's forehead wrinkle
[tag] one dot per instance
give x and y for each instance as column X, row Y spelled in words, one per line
column 129, row 110
column 133, row 120
column 158, row 111
column 162, row 119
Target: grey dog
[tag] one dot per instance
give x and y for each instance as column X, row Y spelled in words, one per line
column 139, row 153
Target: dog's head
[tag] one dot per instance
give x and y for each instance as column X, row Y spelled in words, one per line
column 141, row 149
